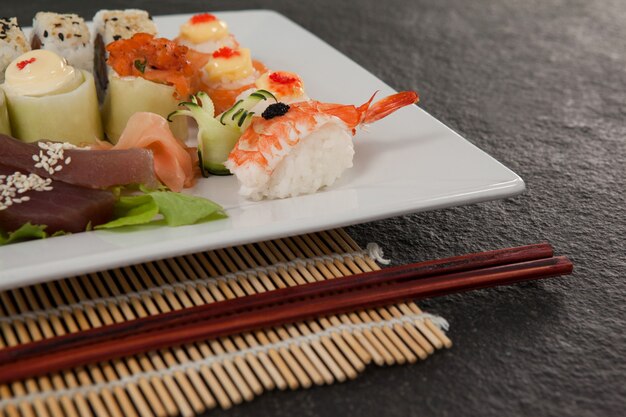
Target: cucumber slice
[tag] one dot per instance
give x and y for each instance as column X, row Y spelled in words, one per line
column 228, row 114
column 203, row 171
column 217, row 169
column 236, row 115
column 217, row 137
column 215, row 141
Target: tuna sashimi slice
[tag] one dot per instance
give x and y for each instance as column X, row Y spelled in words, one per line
column 65, row 207
column 84, row 167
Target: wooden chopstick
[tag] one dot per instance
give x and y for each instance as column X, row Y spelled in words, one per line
column 275, row 314
column 418, row 270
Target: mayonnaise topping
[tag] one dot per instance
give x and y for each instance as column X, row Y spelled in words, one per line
column 229, row 65
column 40, row 73
column 204, row 31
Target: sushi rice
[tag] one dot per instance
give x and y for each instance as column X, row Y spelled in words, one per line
column 317, row 161
column 13, row 43
column 66, row 35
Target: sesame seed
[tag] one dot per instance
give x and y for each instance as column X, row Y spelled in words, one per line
column 51, row 156
column 18, row 183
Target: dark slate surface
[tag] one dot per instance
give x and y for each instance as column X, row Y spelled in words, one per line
column 541, row 86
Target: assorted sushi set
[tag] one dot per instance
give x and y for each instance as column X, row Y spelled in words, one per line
column 104, row 128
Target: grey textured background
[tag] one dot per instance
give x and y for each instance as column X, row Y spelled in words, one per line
column 541, row 86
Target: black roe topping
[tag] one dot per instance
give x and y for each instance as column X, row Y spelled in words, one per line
column 117, row 37
column 275, row 110
column 45, row 33
column 61, row 36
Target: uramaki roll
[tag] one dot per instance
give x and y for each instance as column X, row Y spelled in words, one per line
column 110, row 26
column 206, row 33
column 13, row 43
column 227, row 74
column 66, row 35
column 48, row 99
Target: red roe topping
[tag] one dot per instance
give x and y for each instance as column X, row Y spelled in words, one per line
column 22, row 64
column 225, row 52
column 202, row 18
column 283, row 78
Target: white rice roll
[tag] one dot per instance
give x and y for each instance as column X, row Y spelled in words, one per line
column 66, row 35
column 210, row 46
column 13, row 43
column 129, row 95
column 48, row 99
column 316, row 161
column 206, row 33
column 113, row 25
column 287, row 87
column 230, row 69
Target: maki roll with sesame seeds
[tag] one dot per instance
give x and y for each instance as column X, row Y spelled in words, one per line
column 111, row 26
column 13, row 43
column 47, row 98
column 66, row 35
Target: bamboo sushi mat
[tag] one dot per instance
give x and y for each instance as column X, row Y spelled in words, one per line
column 194, row 378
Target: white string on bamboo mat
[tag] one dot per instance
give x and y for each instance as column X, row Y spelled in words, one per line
column 372, row 250
column 226, row 356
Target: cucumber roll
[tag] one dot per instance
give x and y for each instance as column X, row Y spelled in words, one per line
column 5, row 126
column 129, row 95
column 149, row 74
column 48, row 99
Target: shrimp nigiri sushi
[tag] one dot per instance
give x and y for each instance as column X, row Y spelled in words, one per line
column 298, row 149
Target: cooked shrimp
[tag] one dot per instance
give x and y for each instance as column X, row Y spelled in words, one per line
column 304, row 149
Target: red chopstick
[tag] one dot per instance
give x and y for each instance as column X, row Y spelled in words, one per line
column 418, row 270
column 58, row 358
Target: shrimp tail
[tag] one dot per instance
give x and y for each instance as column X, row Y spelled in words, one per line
column 386, row 106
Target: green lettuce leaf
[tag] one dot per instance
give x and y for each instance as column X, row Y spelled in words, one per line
column 176, row 209
column 25, row 232
column 151, row 207
column 132, row 210
column 182, row 209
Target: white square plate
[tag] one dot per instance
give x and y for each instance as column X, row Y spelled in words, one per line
column 405, row 163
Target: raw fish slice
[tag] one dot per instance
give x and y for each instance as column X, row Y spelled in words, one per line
column 66, row 207
column 87, row 168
